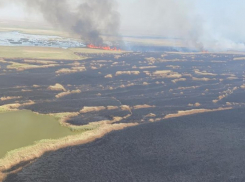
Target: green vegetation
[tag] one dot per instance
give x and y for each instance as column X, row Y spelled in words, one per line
column 23, row 128
column 38, row 53
column 39, row 31
column 9, row 107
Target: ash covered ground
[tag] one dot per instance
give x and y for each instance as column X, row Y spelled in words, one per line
column 203, row 147
column 143, row 86
column 138, row 87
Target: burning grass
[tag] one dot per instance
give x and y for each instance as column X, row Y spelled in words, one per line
column 108, row 48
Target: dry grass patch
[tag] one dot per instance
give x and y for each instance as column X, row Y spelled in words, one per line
column 112, row 107
column 202, row 79
column 179, row 80
column 92, row 109
column 15, row 106
column 57, row 87
column 243, row 86
column 94, row 51
column 23, row 66
column 225, row 94
column 36, row 86
column 232, row 78
column 194, row 111
column 145, row 106
column 40, row 62
column 10, row 98
column 187, row 88
column 127, row 73
column 204, row 73
column 239, row 59
column 167, row 74
column 173, row 66
column 63, row 94
column 71, row 70
column 147, row 67
column 26, row 90
column 125, row 108
column 109, row 76
column 29, row 153
column 151, row 115
column 197, row 104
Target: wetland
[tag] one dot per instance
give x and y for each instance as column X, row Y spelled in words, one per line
column 54, row 99
column 20, row 129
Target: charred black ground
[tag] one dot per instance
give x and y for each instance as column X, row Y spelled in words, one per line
column 203, row 147
column 139, row 87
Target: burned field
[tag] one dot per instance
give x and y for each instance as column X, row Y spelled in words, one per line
column 105, row 92
column 137, row 87
column 202, row 147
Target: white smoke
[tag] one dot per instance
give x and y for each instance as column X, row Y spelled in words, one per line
column 182, row 19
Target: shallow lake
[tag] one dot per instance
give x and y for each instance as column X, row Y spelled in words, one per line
column 22, row 128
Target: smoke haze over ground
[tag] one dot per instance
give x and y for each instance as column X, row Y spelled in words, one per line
column 89, row 19
column 205, row 25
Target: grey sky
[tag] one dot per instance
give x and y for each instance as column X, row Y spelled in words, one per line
column 206, row 21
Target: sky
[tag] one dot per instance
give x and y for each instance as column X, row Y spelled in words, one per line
column 225, row 16
column 206, row 21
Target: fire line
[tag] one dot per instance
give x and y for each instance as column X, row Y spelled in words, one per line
column 91, row 46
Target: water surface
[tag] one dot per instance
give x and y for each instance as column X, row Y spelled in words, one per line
column 22, row 128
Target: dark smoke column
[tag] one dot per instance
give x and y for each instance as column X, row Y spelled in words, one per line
column 89, row 19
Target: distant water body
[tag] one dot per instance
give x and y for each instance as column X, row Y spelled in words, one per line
column 15, row 38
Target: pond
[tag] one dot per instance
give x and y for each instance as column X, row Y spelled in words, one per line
column 22, row 128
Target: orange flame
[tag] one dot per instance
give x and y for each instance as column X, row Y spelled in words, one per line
column 91, row 46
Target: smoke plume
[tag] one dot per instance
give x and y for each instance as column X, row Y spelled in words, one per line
column 88, row 19
column 183, row 19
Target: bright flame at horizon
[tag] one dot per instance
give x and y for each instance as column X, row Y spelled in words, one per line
column 91, row 46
